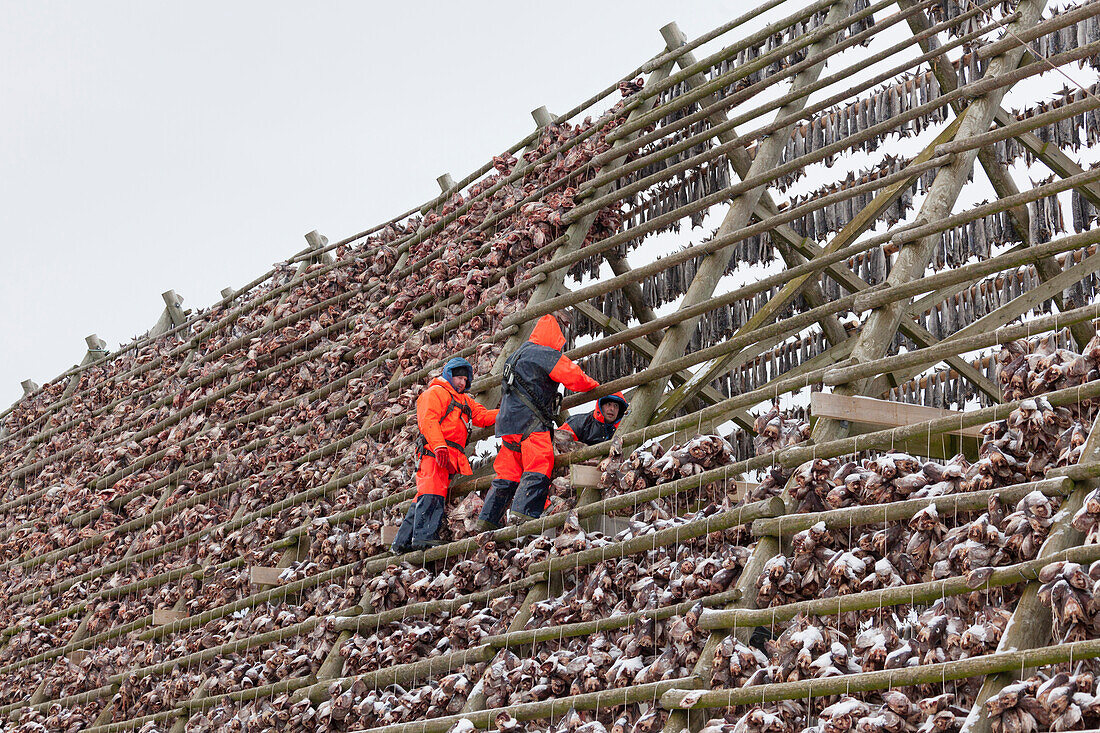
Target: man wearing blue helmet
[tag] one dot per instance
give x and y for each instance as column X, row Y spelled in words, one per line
column 444, row 413
column 600, row 424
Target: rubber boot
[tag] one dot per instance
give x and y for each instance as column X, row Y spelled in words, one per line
column 484, row 525
column 519, row 517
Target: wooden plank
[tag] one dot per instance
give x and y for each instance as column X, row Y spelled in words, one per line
column 162, row 616
column 611, row 526
column 882, row 413
column 584, row 476
column 389, row 533
column 260, row 575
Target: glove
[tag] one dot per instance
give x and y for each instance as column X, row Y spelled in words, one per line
column 446, row 459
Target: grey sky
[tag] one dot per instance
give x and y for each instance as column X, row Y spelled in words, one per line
column 153, row 145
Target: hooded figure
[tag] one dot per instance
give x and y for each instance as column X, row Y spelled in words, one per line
column 443, row 413
column 528, row 413
column 600, row 424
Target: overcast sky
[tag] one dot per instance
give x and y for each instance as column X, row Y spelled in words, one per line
column 154, row 145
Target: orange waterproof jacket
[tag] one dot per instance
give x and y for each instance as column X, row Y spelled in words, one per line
column 541, row 366
column 440, row 427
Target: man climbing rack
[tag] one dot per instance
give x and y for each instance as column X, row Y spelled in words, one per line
column 528, row 412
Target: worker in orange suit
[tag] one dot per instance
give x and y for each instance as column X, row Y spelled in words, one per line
column 529, row 406
column 444, row 413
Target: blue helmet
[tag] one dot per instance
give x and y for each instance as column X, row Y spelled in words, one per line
column 458, row 364
column 618, row 398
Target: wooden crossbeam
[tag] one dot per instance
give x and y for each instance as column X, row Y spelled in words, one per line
column 644, row 347
column 1052, row 156
column 997, row 173
column 939, row 447
column 713, row 266
column 632, row 291
column 912, row 259
column 999, row 317
column 574, row 235
column 880, row 413
column 866, row 415
column 922, row 336
column 848, row 234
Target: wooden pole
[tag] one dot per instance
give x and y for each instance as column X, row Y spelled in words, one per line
column 913, row 258
column 858, row 516
column 886, row 679
column 920, row 359
column 917, row 593
column 998, row 175
column 713, row 266
column 1031, row 624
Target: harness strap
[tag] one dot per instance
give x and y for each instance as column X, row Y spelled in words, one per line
column 544, row 415
column 422, row 445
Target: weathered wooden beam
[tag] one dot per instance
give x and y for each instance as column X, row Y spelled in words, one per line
column 1031, row 624
column 782, row 235
column 173, row 315
column 713, row 266
column 97, row 349
column 265, row 576
column 998, row 175
column 857, row 516
column 912, row 259
column 882, row 413
column 1015, row 308
column 680, row 697
column 646, row 542
column 584, row 476
column 633, row 293
column 162, row 616
column 914, row 594
column 848, row 234
column 575, row 234
column 645, row 348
